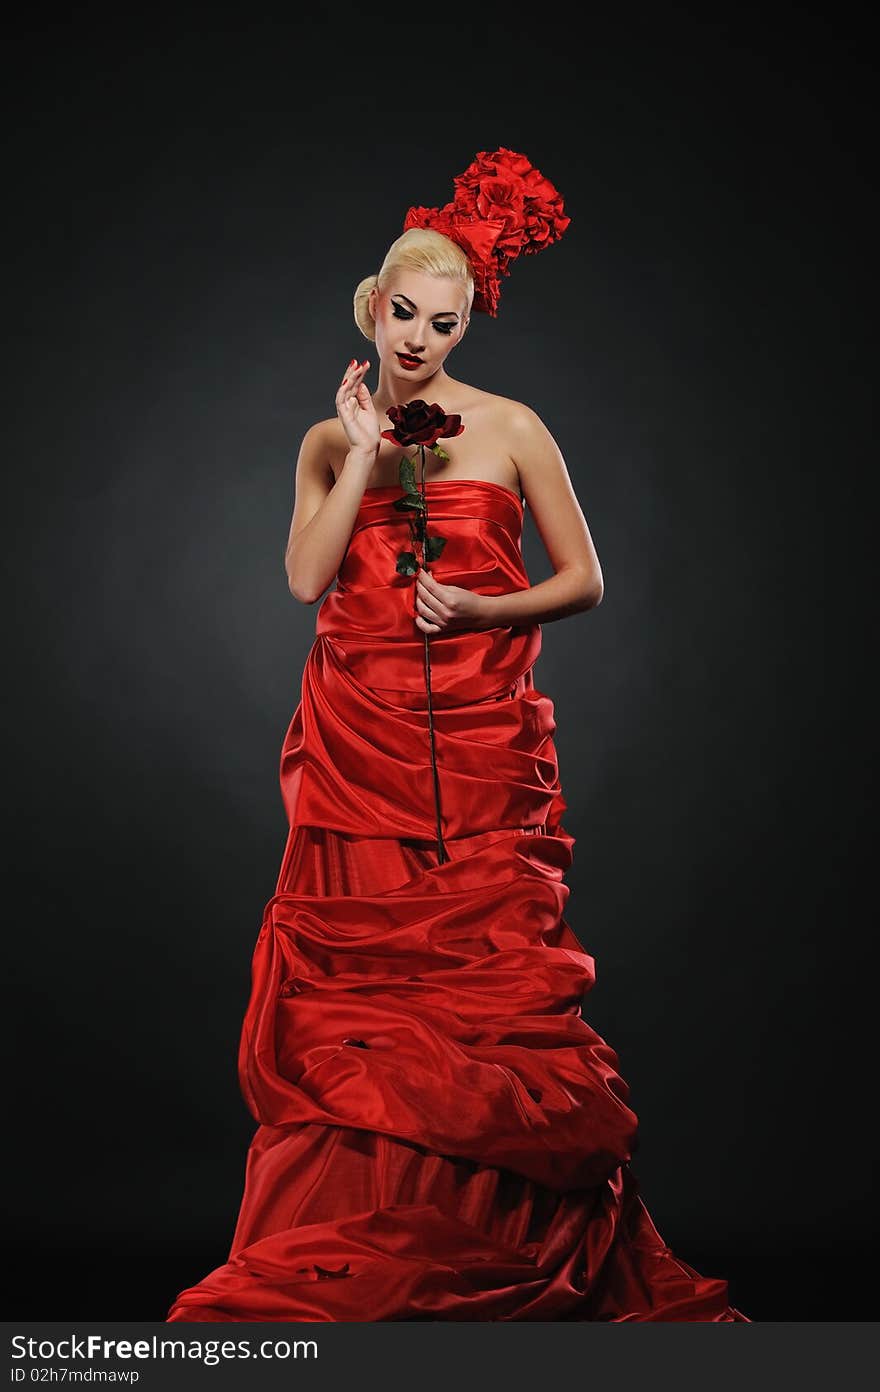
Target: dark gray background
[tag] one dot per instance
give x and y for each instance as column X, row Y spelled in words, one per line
column 189, row 211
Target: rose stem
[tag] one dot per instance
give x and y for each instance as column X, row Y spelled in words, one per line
column 442, row 855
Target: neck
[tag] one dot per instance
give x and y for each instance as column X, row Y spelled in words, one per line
column 396, row 388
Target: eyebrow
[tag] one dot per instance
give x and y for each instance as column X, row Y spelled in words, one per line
column 443, row 313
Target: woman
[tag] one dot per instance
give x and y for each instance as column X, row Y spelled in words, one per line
column 442, row 1135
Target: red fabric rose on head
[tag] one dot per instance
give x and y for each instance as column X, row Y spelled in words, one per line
column 477, row 239
column 502, row 207
column 417, row 423
column 497, row 199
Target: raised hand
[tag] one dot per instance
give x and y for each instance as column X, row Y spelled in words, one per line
column 354, row 407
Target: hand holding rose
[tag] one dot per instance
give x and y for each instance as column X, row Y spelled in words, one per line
column 444, row 608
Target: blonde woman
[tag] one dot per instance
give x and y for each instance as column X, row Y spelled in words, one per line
column 441, row 1134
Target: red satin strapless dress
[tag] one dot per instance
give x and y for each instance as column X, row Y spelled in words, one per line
column 441, row 1134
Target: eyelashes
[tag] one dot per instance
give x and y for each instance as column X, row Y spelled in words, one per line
column 401, row 313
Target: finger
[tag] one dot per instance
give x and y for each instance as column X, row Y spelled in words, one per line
column 428, row 611
column 425, row 578
column 426, row 627
column 353, row 374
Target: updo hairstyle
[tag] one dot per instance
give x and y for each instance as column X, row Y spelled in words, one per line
column 417, row 249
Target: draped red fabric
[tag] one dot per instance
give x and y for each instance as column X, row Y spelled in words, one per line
column 442, row 1135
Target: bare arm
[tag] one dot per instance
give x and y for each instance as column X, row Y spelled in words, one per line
column 324, row 513
column 577, row 584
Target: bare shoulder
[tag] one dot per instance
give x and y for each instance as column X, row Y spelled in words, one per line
column 527, row 440
column 321, row 432
column 501, row 414
column 521, row 421
column 547, row 487
column 320, row 446
column 512, row 420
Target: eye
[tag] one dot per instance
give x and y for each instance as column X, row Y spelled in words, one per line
column 401, row 313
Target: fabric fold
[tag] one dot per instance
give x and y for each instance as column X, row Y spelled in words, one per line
column 440, row 1132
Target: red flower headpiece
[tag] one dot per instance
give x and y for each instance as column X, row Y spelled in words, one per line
column 502, row 207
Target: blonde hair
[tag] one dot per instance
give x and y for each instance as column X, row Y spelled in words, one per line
column 417, row 249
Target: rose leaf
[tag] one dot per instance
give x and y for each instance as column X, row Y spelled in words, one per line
column 407, row 563
column 434, row 547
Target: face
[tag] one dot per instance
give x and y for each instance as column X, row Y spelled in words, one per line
column 419, row 316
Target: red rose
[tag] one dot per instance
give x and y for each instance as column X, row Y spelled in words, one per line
column 417, row 423
column 501, row 199
column 509, row 185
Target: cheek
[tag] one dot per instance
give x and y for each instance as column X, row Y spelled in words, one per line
column 384, row 326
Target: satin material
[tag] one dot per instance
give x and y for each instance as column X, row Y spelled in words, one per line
column 441, row 1133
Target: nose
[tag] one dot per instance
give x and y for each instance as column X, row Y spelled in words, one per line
column 412, row 347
